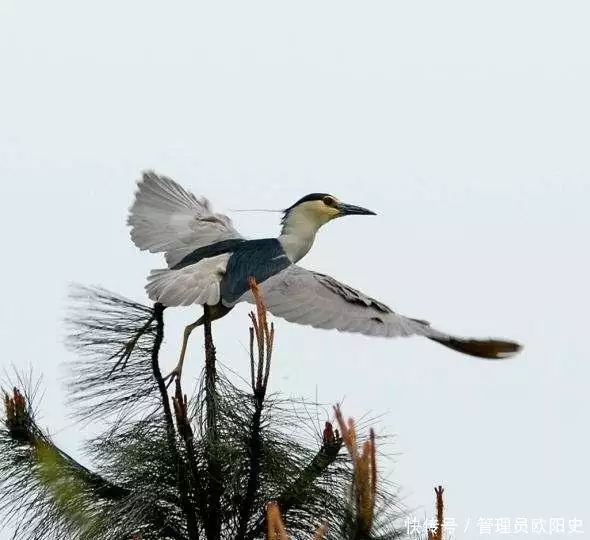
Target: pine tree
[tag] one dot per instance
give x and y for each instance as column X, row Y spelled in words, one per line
column 228, row 462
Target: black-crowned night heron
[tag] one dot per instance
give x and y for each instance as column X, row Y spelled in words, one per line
column 210, row 263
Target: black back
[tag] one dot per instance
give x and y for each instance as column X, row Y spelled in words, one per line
column 259, row 259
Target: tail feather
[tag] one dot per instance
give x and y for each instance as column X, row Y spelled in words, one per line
column 492, row 349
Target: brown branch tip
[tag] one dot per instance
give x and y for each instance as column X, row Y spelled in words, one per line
column 260, row 305
column 264, row 334
column 436, row 533
column 364, row 464
column 276, row 527
column 180, row 404
column 17, row 413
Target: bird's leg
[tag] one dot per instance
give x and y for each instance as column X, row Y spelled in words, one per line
column 215, row 312
column 177, row 371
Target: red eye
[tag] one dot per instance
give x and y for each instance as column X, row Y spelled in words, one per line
column 329, row 201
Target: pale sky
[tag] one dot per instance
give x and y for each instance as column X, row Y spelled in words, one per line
column 464, row 125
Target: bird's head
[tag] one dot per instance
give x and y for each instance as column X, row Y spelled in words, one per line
column 319, row 208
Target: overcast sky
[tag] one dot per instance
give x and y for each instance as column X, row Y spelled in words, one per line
column 464, row 125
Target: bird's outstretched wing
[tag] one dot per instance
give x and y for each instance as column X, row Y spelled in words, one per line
column 305, row 297
column 167, row 218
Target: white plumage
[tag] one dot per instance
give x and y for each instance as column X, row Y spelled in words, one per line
column 194, row 284
column 305, row 297
column 166, row 218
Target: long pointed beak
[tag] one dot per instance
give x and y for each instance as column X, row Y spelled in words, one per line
column 352, row 210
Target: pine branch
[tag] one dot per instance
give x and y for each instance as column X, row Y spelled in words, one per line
column 437, row 532
column 22, row 428
column 364, row 485
column 45, row 491
column 185, row 430
column 156, row 478
column 113, row 338
column 183, row 486
column 358, row 519
column 297, row 493
column 138, row 455
column 259, row 372
column 215, row 487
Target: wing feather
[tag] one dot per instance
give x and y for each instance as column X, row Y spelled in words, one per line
column 195, row 284
column 306, row 297
column 165, row 217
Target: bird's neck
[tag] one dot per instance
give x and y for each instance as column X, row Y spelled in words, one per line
column 297, row 236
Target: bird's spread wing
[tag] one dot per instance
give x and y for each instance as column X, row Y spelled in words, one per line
column 305, row 297
column 166, row 218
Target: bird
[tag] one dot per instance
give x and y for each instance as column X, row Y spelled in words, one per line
column 210, row 263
